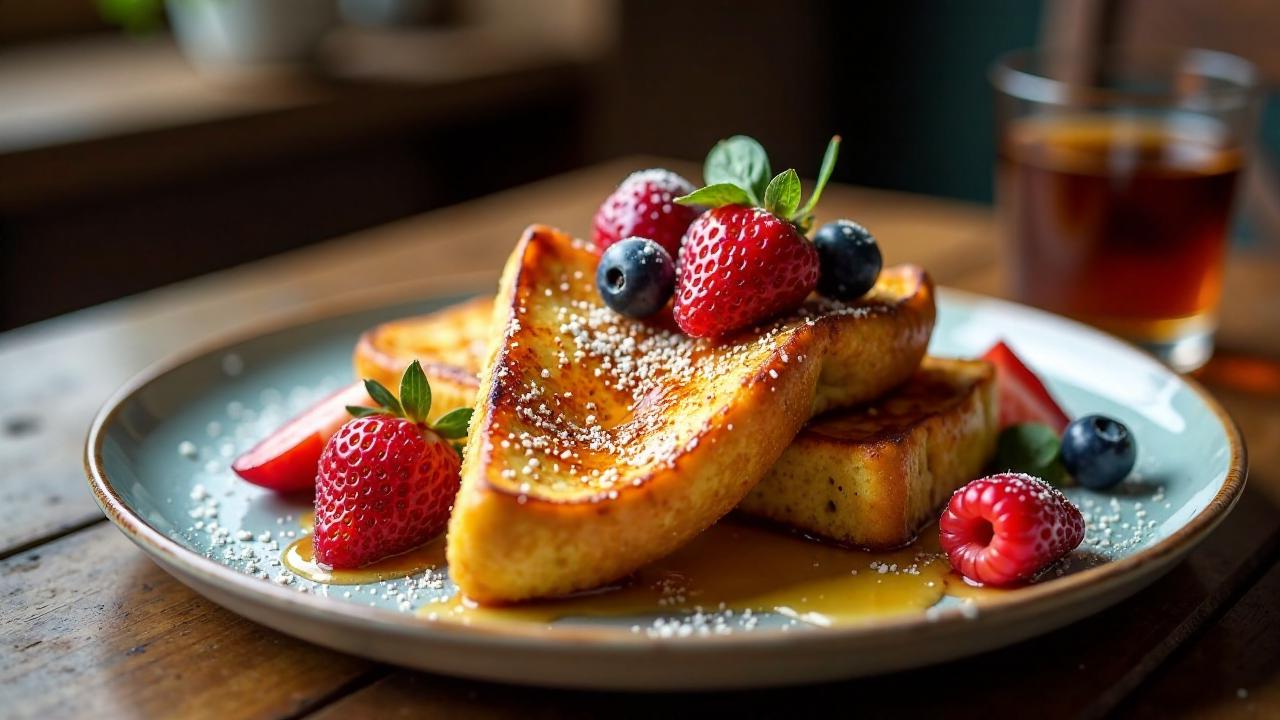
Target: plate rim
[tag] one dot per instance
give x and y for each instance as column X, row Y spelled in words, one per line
column 169, row 552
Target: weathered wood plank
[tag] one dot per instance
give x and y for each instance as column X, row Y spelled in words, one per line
column 90, row 626
column 1231, row 671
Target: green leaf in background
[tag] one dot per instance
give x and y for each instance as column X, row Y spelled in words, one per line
column 740, row 161
column 1031, row 448
column 454, row 424
column 138, row 17
column 824, row 174
column 383, row 397
column 415, row 392
column 782, row 197
column 359, row 411
column 714, row 196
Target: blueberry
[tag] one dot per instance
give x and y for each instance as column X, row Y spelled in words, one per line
column 850, row 260
column 636, row 277
column 1098, row 451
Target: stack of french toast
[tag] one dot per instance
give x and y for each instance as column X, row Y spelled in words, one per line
column 700, row 355
column 600, row 442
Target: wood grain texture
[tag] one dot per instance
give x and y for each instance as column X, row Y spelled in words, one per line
column 90, row 626
column 1233, row 671
column 71, row 364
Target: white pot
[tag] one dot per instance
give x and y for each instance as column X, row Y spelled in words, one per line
column 230, row 36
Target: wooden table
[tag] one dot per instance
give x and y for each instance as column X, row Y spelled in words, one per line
column 89, row 625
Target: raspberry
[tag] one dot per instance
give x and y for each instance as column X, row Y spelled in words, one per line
column 644, row 206
column 1003, row 529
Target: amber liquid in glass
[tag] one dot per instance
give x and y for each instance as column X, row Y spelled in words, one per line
column 1119, row 222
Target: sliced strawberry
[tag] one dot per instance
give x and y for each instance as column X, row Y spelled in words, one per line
column 286, row 460
column 1023, row 398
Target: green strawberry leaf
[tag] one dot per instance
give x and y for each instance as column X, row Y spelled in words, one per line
column 782, row 197
column 415, row 392
column 454, row 424
column 740, row 161
column 1031, row 448
column 714, row 196
column 359, row 411
column 383, row 397
column 824, row 174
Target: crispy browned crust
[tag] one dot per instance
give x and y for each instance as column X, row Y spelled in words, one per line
column 873, row 476
column 450, row 344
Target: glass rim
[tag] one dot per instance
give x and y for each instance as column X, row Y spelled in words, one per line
column 1011, row 73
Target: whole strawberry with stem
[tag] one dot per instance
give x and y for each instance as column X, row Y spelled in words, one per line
column 747, row 258
column 386, row 480
column 644, row 206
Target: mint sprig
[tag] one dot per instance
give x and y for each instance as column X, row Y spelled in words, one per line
column 1031, row 448
column 782, row 197
column 414, row 404
column 737, row 173
column 740, row 161
column 717, row 195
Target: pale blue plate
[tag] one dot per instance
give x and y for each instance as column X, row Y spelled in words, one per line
column 158, row 456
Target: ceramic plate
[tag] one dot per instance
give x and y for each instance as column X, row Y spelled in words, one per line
column 158, row 456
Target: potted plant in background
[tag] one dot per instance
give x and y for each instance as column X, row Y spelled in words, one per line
column 234, row 37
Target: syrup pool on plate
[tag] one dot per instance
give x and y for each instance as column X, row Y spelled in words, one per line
column 734, row 565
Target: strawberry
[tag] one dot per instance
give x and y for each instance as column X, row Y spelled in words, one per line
column 644, row 206
column 747, row 258
column 1022, row 396
column 1003, row 529
column 386, row 479
column 286, row 460
column 740, row 265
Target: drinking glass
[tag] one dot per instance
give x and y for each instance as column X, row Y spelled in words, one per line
column 1115, row 178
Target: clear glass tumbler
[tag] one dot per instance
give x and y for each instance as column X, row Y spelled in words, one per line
column 1115, row 180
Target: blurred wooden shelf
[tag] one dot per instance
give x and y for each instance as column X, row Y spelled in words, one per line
column 116, row 112
column 124, row 151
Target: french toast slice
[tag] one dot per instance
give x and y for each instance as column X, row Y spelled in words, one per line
column 601, row 443
column 451, row 344
column 872, row 476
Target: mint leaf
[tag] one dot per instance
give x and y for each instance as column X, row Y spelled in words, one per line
column 359, row 411
column 740, row 161
column 454, row 424
column 824, row 174
column 415, row 392
column 383, row 397
column 714, row 196
column 1031, row 448
column 782, row 197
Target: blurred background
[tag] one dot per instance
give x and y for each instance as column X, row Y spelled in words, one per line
column 143, row 142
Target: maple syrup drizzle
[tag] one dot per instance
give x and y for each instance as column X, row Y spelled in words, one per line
column 739, row 566
column 734, row 565
column 300, row 558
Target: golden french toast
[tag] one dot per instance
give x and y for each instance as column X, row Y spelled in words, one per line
column 451, row 345
column 867, row 476
column 872, row 476
column 601, row 443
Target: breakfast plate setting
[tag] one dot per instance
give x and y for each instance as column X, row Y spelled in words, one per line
column 699, row 450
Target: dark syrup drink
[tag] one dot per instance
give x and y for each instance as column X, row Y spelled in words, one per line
column 1119, row 221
